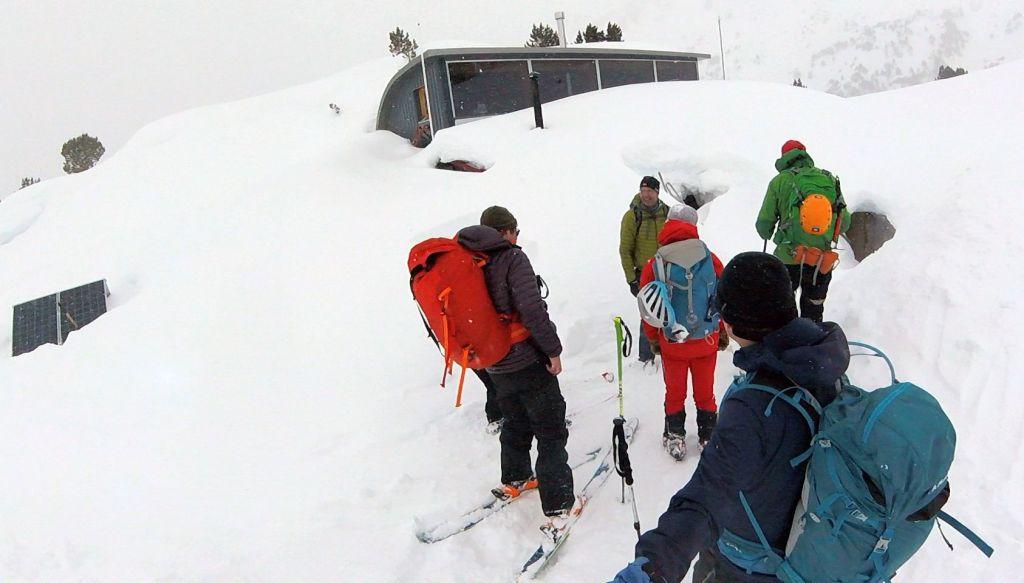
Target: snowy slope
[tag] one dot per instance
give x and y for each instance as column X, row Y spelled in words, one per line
column 260, row 403
column 109, row 66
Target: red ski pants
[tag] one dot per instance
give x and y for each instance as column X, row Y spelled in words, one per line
column 701, row 370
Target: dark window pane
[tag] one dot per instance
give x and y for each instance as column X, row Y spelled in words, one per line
column 677, row 71
column 615, row 73
column 489, row 87
column 562, row 78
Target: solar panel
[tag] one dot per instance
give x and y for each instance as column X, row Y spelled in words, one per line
column 49, row 319
column 35, row 324
column 81, row 305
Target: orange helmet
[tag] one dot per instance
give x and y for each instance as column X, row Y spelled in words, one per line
column 816, row 214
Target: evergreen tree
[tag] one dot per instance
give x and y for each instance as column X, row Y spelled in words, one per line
column 947, row 72
column 579, row 38
column 26, row 182
column 81, row 153
column 543, row 35
column 592, row 34
column 798, row 83
column 614, row 32
column 401, row 44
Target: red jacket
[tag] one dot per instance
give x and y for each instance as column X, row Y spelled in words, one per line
column 672, row 232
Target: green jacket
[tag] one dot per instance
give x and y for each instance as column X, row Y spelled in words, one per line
column 773, row 209
column 638, row 245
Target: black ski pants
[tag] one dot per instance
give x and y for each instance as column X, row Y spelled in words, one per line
column 491, row 407
column 533, row 407
column 812, row 290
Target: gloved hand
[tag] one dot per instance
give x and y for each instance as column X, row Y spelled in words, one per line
column 633, row 573
column 634, row 287
column 655, row 348
column 723, row 341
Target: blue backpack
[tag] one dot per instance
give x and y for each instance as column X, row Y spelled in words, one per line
column 687, row 274
column 877, row 458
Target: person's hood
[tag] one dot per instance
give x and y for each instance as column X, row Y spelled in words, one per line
column 812, row 355
column 482, row 238
column 638, row 205
column 793, row 159
column 675, row 231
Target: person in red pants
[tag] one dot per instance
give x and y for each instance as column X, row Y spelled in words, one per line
column 693, row 358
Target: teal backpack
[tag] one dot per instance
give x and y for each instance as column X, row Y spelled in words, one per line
column 877, row 459
column 681, row 298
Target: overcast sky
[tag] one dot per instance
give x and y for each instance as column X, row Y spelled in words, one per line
column 108, row 67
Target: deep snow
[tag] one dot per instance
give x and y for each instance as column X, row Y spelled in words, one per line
column 261, row 403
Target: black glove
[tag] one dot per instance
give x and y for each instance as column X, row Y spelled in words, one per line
column 634, row 288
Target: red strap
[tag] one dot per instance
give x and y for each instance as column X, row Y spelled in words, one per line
column 446, row 341
column 462, row 377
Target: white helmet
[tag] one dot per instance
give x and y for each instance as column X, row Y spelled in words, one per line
column 656, row 309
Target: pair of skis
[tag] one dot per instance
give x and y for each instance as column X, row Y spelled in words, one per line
column 488, row 506
column 548, row 546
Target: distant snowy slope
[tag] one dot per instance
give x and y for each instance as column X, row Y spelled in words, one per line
column 261, row 403
column 108, row 68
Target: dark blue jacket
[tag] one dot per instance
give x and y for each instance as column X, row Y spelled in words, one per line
column 750, row 451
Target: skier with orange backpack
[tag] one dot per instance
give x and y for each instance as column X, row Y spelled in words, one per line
column 480, row 294
column 806, row 204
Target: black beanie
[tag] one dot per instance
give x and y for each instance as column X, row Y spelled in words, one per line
column 498, row 218
column 650, row 182
column 755, row 295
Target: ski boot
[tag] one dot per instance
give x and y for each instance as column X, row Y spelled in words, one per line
column 514, row 489
column 559, row 521
column 674, row 437
column 706, row 421
column 675, row 445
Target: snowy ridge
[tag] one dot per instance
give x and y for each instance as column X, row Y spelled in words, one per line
column 201, row 55
column 260, row 403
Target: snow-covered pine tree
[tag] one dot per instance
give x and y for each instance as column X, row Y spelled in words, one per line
column 592, row 34
column 543, row 35
column 401, row 44
column 945, row 72
column 81, row 153
column 613, row 32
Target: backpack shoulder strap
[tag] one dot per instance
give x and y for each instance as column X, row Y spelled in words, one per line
column 638, row 218
column 968, row 533
column 793, row 396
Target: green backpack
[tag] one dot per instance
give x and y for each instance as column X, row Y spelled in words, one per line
column 811, row 208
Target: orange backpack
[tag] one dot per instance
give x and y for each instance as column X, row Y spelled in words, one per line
column 447, row 281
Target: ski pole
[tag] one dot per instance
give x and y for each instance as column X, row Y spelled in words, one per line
column 620, row 447
column 623, row 346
